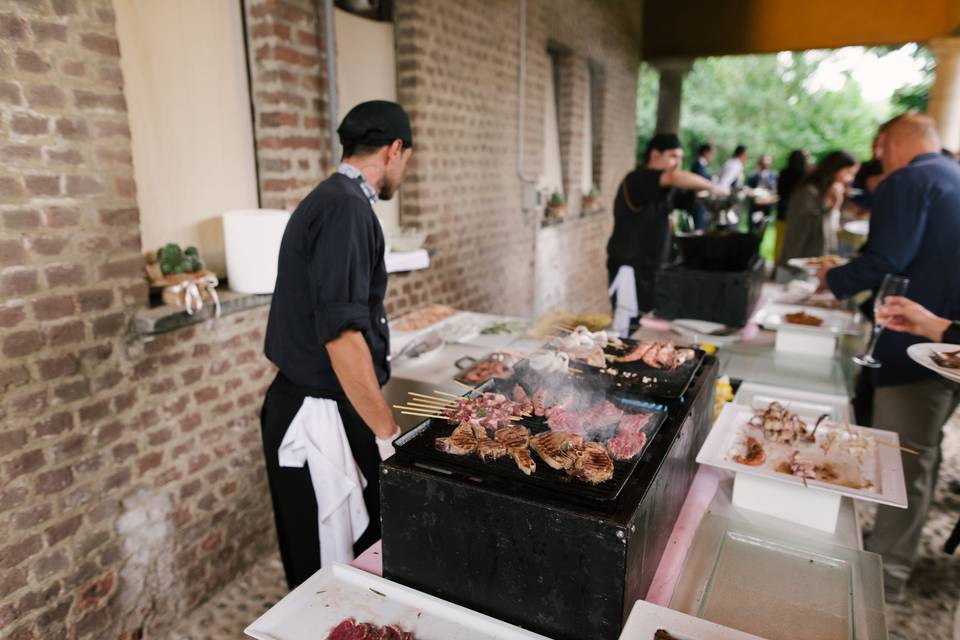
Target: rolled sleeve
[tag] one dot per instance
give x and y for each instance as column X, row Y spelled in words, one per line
column 341, row 265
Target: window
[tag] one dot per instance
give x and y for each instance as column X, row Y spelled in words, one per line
column 551, row 176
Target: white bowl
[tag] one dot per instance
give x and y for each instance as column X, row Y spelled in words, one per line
column 407, row 240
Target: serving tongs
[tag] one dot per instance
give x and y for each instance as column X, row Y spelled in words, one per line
column 946, row 359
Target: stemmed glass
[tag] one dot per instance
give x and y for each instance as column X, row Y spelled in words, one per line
column 892, row 286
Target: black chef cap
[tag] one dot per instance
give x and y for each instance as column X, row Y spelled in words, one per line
column 664, row 142
column 374, row 124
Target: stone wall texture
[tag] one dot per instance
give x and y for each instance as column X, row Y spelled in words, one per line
column 131, row 477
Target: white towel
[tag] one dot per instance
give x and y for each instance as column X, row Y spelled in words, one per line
column 316, row 437
column 625, row 286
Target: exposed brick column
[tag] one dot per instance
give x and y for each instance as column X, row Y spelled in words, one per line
column 289, row 92
column 131, row 478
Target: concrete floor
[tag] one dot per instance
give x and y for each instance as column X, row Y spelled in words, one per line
column 927, row 612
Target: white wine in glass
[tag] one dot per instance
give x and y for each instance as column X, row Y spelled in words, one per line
column 892, row 286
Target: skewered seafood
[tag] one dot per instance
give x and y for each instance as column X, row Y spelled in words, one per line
column 779, row 424
column 658, row 355
column 583, row 345
column 755, row 454
column 558, row 450
column 946, row 359
column 592, row 463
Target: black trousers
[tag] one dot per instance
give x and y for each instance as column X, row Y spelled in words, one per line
column 294, row 503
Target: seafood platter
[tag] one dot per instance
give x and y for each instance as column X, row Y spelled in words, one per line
column 344, row 603
column 780, row 317
column 658, row 368
column 547, row 498
column 816, row 452
column 940, row 357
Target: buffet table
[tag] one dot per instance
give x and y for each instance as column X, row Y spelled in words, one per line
column 709, row 499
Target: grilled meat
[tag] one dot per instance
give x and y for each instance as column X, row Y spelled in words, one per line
column 634, row 422
column 564, row 421
column 538, row 397
column 350, row 629
column 515, row 439
column 521, row 455
column 626, row 444
column 489, row 449
column 602, row 415
column 755, row 454
column 556, row 449
column 461, row 442
column 592, row 463
column 659, row 355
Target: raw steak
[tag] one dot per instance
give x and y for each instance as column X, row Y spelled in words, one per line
column 625, row 444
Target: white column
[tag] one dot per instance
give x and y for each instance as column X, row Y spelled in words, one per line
column 944, row 105
column 670, row 98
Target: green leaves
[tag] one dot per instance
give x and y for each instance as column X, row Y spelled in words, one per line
column 174, row 261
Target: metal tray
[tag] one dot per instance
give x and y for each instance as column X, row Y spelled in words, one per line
column 419, row 445
column 660, row 383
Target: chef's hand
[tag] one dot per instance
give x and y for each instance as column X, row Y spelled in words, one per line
column 902, row 314
column 385, row 445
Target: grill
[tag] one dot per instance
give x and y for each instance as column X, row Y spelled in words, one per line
column 645, row 380
column 418, row 444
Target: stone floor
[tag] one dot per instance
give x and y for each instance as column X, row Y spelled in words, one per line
column 927, row 612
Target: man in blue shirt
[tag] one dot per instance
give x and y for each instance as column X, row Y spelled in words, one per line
column 915, row 233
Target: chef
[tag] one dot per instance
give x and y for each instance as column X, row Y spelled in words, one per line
column 325, row 423
column 641, row 218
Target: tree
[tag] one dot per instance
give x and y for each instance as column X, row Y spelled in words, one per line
column 764, row 102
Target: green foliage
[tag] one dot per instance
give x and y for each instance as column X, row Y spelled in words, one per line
column 556, row 199
column 762, row 101
column 173, row 260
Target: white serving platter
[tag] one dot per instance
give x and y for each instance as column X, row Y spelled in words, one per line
column 884, row 468
column 920, row 353
column 334, row 593
column 805, row 264
column 759, row 396
column 646, row 618
column 835, row 323
column 704, row 331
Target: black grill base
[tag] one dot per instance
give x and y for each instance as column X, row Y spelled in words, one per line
column 567, row 571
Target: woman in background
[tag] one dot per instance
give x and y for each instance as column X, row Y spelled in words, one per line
column 790, row 176
column 815, row 208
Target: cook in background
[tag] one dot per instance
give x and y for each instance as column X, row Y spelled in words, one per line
column 815, row 208
column 701, row 167
column 913, row 233
column 763, row 178
column 641, row 213
column 327, row 333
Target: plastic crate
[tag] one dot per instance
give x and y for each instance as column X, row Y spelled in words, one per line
column 727, row 297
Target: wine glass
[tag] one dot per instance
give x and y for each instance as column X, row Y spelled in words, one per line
column 892, row 286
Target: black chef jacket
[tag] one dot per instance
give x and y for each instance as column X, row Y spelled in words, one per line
column 641, row 230
column 331, row 277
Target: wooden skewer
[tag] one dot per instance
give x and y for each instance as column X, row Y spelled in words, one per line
column 406, row 408
column 464, row 385
column 896, row 446
column 421, row 415
column 421, row 407
column 431, row 398
column 444, row 393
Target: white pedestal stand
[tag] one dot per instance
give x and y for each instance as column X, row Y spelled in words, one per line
column 810, row 344
column 795, row 503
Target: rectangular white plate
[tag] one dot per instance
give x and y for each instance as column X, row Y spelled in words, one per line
column 646, row 618
column 885, row 469
column 773, row 316
column 334, row 593
column 759, row 396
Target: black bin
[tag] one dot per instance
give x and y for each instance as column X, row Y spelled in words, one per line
column 727, row 297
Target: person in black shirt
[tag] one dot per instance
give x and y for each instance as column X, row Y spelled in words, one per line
column 701, row 167
column 641, row 213
column 797, row 168
column 327, row 330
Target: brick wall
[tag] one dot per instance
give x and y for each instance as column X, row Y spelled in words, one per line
column 289, row 92
column 131, row 482
column 457, row 69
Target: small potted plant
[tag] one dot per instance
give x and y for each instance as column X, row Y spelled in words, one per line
column 591, row 200
column 556, row 206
